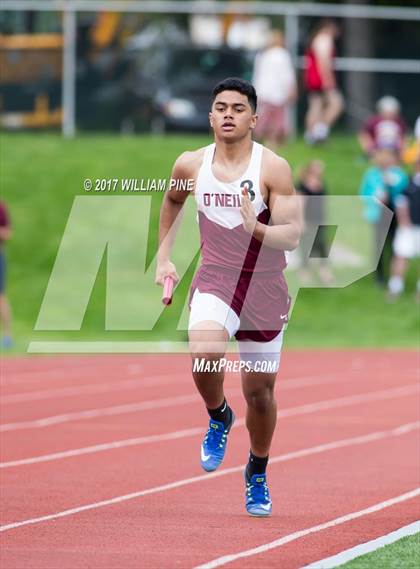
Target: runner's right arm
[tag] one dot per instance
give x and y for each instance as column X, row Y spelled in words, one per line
column 170, row 218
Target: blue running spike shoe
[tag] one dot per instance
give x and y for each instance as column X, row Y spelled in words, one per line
column 214, row 444
column 258, row 501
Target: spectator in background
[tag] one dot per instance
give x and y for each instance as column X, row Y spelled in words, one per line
column 382, row 183
column 275, row 82
column 411, row 154
column 311, row 184
column 246, row 31
column 385, row 129
column 325, row 102
column 5, row 313
column 406, row 244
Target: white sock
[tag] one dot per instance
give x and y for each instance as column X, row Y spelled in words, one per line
column 320, row 130
column 395, row 285
column 309, row 137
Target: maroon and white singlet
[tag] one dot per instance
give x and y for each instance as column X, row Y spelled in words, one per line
column 239, row 270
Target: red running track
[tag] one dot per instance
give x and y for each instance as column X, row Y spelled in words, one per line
column 100, row 461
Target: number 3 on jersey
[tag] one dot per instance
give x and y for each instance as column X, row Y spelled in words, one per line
column 247, row 184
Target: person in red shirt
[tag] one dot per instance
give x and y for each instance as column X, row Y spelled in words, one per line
column 325, row 102
column 386, row 129
column 5, row 314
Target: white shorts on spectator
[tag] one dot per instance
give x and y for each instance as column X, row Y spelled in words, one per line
column 407, row 242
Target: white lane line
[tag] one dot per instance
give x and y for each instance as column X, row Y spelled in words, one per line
column 304, row 532
column 362, row 439
column 161, row 379
column 382, row 394
column 240, row 422
column 183, row 399
column 107, row 411
column 109, row 386
column 364, row 548
column 102, row 412
column 106, row 446
column 15, row 377
column 137, row 440
column 11, row 377
column 118, row 385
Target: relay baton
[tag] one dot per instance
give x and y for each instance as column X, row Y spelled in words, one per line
column 168, row 287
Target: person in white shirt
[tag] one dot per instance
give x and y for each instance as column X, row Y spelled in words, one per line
column 275, row 83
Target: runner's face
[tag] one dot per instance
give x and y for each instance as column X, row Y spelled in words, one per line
column 231, row 116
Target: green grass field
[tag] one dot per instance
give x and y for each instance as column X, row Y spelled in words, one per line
column 41, row 175
column 403, row 554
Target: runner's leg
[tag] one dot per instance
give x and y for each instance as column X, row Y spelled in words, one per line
column 261, row 413
column 208, row 344
column 212, row 323
column 258, row 379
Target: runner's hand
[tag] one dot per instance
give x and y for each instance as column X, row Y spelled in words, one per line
column 249, row 219
column 165, row 269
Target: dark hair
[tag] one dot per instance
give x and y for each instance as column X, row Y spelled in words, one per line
column 321, row 25
column 240, row 85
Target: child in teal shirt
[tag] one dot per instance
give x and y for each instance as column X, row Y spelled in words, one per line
column 382, row 184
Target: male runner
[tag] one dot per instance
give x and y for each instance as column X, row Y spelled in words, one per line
column 248, row 215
